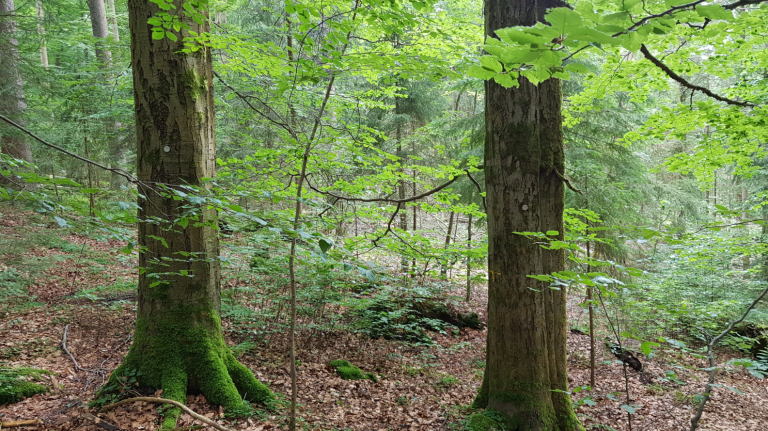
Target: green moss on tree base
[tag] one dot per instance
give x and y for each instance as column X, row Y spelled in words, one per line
column 185, row 352
column 13, row 388
column 480, row 422
column 348, row 371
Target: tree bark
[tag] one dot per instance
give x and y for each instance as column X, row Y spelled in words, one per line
column 41, row 32
column 178, row 344
column 100, row 30
column 526, row 319
column 444, row 268
column 12, row 101
column 113, row 20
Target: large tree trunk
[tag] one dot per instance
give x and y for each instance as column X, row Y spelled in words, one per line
column 178, row 344
column 526, row 319
column 12, row 102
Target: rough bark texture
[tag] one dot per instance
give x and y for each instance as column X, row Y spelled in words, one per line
column 526, row 319
column 12, row 102
column 178, row 345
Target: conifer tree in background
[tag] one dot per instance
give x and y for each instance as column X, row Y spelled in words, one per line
column 178, row 343
column 12, row 101
column 526, row 355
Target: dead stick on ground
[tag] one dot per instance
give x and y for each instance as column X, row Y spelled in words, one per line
column 101, row 423
column 13, row 424
column 186, row 409
column 64, row 346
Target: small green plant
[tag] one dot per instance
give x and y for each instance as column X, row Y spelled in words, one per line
column 477, row 363
column 402, row 401
column 446, row 382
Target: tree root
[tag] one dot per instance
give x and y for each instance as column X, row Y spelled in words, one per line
column 186, row 409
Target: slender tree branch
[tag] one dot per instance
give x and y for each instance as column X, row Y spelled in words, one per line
column 705, row 394
column 393, row 201
column 282, row 124
column 682, row 81
column 479, row 190
column 120, row 172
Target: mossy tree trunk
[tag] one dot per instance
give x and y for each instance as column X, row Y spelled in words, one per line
column 526, row 351
column 178, row 345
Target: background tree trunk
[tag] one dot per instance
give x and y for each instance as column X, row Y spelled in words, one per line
column 526, row 319
column 178, row 344
column 100, row 30
column 12, row 102
column 113, row 20
column 41, row 32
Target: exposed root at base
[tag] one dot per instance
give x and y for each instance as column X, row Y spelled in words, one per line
column 186, row 409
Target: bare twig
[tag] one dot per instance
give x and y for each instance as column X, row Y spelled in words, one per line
column 64, row 346
column 707, row 391
column 184, row 408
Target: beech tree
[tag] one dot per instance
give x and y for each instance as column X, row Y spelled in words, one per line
column 525, row 378
column 178, row 343
column 12, row 101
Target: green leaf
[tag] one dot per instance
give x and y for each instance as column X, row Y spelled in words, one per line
column 714, row 11
column 516, row 36
column 646, row 347
column 61, row 221
column 552, row 233
column 564, row 19
column 577, row 68
column 491, row 64
column 632, row 41
column 90, row 191
column 480, row 73
column 325, row 245
column 631, row 410
column 587, row 10
column 171, row 36
column 184, row 222
column 157, row 35
column 592, row 35
column 505, row 80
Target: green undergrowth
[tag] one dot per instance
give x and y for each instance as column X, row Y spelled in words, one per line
column 409, row 313
column 348, row 371
column 19, row 383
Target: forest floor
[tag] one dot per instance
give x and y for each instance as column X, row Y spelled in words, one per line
column 420, row 387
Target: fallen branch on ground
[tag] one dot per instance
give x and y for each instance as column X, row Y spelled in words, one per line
column 13, row 424
column 186, row 409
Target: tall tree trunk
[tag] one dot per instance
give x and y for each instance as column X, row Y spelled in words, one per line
column 12, row 102
column 113, row 20
column 469, row 258
column 178, row 344
column 41, row 32
column 444, row 268
column 526, row 319
column 100, row 30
